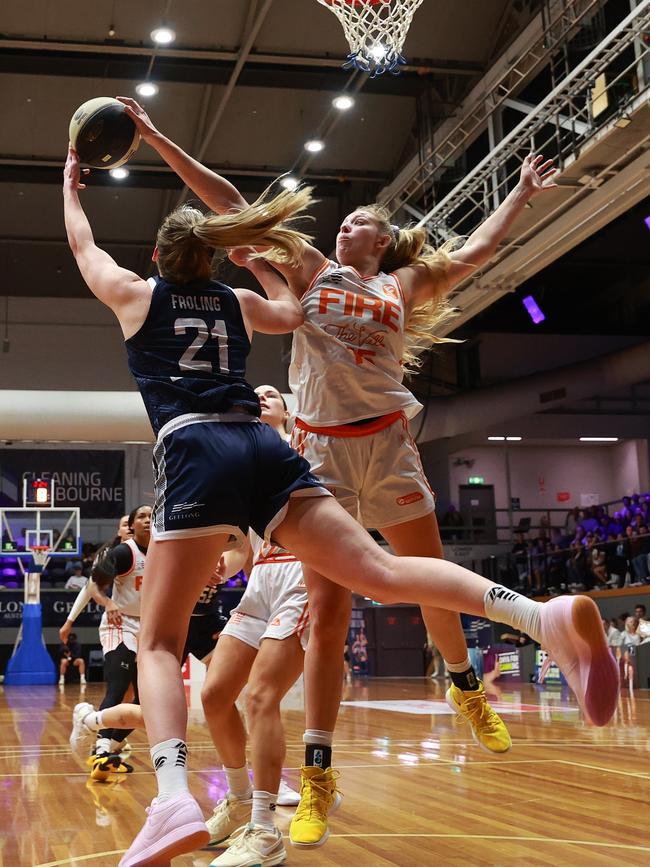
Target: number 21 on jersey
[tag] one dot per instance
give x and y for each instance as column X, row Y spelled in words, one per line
column 188, row 360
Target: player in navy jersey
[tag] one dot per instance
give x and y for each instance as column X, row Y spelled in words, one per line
column 218, row 471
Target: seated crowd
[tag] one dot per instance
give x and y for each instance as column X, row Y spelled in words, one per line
column 593, row 550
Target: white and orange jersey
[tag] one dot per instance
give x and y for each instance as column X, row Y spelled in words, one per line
column 263, row 552
column 346, row 357
column 126, row 587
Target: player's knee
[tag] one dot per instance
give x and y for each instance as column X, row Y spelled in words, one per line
column 212, row 699
column 261, row 699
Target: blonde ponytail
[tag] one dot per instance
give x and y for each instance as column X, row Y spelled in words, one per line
column 409, row 247
column 188, row 239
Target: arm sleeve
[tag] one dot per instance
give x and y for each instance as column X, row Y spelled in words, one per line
column 83, row 598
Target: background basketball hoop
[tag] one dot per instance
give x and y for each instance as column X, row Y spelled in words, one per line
column 375, row 31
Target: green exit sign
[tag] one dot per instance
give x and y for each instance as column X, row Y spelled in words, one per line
column 476, row 480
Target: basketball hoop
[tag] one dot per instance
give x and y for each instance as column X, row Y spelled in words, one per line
column 375, row 31
column 39, row 554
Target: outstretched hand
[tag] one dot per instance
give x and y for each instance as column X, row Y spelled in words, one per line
column 72, row 172
column 139, row 117
column 537, row 175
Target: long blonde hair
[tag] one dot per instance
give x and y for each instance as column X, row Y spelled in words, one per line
column 409, row 246
column 188, row 239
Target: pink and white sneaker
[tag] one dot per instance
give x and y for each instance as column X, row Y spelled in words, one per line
column 573, row 634
column 173, row 827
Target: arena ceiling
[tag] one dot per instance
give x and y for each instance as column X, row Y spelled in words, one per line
column 244, row 85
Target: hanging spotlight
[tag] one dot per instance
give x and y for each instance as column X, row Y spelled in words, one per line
column 146, row 88
column 119, row 173
column 343, row 102
column 314, row 145
column 289, row 182
column 163, row 35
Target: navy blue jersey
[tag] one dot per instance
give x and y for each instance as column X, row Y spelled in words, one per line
column 189, row 356
column 208, row 602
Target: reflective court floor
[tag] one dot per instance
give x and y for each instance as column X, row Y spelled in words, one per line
column 416, row 789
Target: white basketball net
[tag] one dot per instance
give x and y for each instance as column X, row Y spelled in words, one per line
column 375, row 32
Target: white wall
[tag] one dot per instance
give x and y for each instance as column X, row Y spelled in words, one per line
column 76, row 344
column 538, row 473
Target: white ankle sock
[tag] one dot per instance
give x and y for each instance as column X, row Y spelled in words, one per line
column 264, row 809
column 239, row 782
column 94, row 721
column 169, row 760
column 316, row 736
column 459, row 667
column 506, row 606
column 103, row 745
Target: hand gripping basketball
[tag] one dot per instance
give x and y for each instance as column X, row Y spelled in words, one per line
column 139, row 117
column 72, row 172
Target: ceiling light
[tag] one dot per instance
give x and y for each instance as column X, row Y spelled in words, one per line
column 163, row 35
column 343, row 102
column 533, row 310
column 314, row 145
column 119, row 173
column 289, row 182
column 378, row 51
column 146, row 88
column 496, row 439
column 514, row 439
column 598, row 439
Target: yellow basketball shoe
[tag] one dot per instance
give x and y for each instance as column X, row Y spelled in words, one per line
column 318, row 797
column 488, row 729
column 103, row 765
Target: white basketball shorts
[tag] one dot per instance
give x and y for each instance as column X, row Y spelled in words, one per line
column 374, row 471
column 274, row 605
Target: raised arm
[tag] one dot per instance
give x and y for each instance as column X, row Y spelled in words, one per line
column 214, row 190
column 217, row 193
column 535, row 177
column 124, row 292
column 279, row 313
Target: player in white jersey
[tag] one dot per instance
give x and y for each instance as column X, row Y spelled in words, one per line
column 366, row 317
column 263, row 645
column 123, row 567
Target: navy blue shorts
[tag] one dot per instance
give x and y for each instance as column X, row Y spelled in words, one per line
column 223, row 474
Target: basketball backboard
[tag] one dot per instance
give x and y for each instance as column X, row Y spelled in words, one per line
column 22, row 529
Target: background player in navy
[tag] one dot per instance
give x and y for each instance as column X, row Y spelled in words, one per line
column 219, row 472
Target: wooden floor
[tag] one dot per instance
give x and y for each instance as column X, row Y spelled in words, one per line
column 417, row 791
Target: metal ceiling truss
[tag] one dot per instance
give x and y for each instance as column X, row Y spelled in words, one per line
column 559, row 126
column 561, row 20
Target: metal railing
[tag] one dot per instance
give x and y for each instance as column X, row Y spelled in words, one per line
column 560, row 21
column 558, row 126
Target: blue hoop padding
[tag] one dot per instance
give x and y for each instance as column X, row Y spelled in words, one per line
column 31, row 663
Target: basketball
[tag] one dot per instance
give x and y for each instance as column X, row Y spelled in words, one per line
column 103, row 134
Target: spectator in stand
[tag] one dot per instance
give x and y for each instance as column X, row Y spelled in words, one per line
column 641, row 562
column 644, row 623
column 590, row 521
column 520, row 556
column 70, row 652
column 77, row 580
column 571, row 522
column 630, row 640
column 613, row 633
column 598, row 564
column 576, row 565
